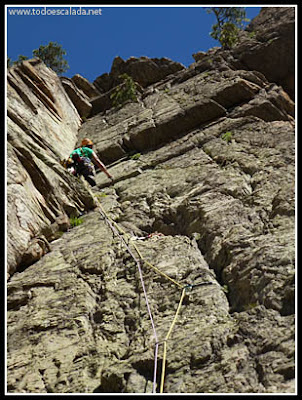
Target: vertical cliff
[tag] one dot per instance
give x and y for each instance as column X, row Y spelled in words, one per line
column 181, row 276
column 42, row 127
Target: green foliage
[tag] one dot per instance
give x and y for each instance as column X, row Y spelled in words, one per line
column 9, row 62
column 126, row 91
column 225, row 288
column 100, row 195
column 227, row 136
column 52, row 55
column 228, row 35
column 252, row 34
column 20, row 59
column 229, row 23
column 58, row 234
column 196, row 235
column 75, row 221
column 135, row 156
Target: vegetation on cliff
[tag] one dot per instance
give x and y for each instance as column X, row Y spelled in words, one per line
column 204, row 198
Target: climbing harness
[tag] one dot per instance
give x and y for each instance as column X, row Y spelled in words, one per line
column 116, row 229
column 80, row 165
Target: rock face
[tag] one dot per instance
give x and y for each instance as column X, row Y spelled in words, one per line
column 78, row 97
column 42, row 129
column 203, row 202
column 269, row 46
column 143, row 70
column 88, row 88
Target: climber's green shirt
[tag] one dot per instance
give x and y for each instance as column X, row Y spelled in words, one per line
column 83, row 152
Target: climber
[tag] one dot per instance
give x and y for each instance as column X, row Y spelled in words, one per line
column 82, row 158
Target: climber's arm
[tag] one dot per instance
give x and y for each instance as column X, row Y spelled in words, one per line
column 99, row 163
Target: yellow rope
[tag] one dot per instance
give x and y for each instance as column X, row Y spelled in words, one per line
column 156, row 269
column 167, row 277
column 166, row 339
column 140, row 254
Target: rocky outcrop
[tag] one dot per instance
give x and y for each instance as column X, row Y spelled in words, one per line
column 78, row 97
column 268, row 46
column 100, row 339
column 83, row 84
column 204, row 166
column 143, row 70
column 42, row 129
column 172, row 108
column 204, row 202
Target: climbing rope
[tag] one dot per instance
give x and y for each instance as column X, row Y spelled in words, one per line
column 122, row 234
column 166, row 340
column 156, row 269
column 110, row 222
column 152, row 322
column 121, row 230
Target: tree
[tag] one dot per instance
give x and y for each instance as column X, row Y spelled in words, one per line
column 20, row 59
column 229, row 22
column 52, row 55
column 127, row 90
column 10, row 62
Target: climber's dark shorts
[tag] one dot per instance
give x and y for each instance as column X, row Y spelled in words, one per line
column 85, row 167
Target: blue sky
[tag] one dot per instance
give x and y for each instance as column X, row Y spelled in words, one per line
column 92, row 41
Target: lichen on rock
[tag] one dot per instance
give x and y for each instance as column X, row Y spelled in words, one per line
column 203, row 197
